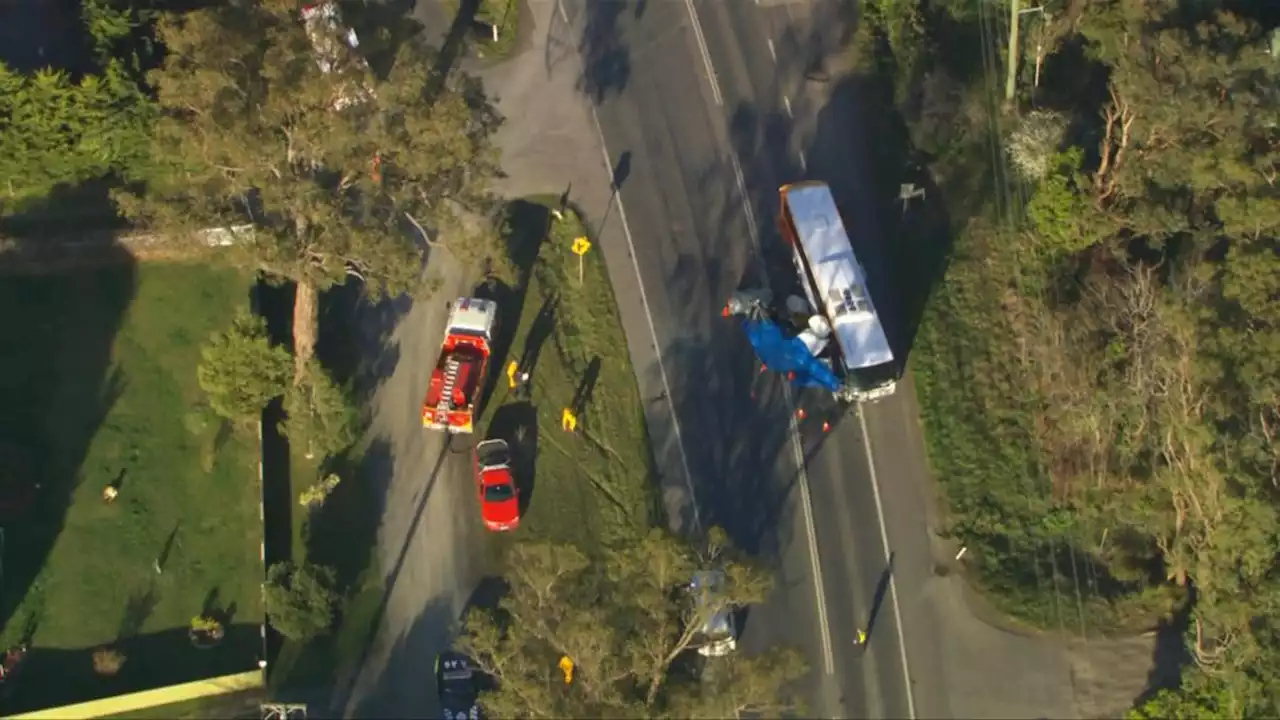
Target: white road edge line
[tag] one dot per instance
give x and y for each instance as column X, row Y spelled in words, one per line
column 797, row 449
column 787, row 102
column 706, row 56
column 893, row 584
column 804, row 164
column 773, row 55
column 653, row 334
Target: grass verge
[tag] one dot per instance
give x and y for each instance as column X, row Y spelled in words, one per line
column 591, row 486
column 102, row 391
column 502, row 14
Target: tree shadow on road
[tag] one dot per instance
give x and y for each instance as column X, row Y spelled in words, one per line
column 373, row 515
column 405, row 686
column 606, row 59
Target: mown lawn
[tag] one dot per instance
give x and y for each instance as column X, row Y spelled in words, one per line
column 98, row 385
column 592, row 485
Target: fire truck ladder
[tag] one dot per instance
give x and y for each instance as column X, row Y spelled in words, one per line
column 446, row 389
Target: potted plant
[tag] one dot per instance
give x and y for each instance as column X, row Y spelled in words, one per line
column 205, row 632
column 107, row 661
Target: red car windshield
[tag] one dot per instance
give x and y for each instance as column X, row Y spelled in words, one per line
column 500, row 492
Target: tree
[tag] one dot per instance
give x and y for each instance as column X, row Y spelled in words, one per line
column 62, row 130
column 300, row 599
column 240, row 369
column 335, row 172
column 321, row 415
column 627, row 622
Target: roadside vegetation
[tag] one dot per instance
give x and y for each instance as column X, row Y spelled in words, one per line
column 129, row 507
column 71, row 134
column 1098, row 370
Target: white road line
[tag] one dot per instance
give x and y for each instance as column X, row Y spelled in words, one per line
column 653, row 334
column 706, row 56
column 884, row 540
column 804, row 164
column 773, row 55
column 787, row 102
column 746, row 201
column 797, row 449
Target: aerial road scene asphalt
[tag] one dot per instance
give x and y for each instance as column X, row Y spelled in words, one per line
column 653, row 358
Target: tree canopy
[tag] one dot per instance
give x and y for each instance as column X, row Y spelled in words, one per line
column 241, row 370
column 63, row 129
column 1100, row 368
column 629, row 624
column 338, row 172
column 300, row 599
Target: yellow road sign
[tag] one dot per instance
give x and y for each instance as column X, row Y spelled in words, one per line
column 581, row 245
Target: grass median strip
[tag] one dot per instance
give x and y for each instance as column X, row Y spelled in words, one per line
column 590, row 485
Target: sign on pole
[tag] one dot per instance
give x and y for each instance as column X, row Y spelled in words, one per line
column 580, row 247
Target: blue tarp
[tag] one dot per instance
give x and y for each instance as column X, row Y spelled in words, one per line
column 788, row 355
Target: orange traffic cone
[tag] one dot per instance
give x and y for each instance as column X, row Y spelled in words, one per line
column 801, row 414
column 826, row 426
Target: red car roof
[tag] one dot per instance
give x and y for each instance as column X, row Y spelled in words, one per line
column 503, row 512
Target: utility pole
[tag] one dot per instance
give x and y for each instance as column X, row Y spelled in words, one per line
column 1015, row 16
column 1010, row 82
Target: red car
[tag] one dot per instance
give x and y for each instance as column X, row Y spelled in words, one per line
column 499, row 496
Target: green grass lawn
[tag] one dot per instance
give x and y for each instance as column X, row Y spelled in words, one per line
column 593, row 485
column 99, row 386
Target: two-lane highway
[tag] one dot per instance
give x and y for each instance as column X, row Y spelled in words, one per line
column 690, row 103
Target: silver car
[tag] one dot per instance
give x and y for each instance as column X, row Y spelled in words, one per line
column 718, row 634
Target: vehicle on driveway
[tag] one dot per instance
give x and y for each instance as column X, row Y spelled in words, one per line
column 457, row 686
column 495, row 484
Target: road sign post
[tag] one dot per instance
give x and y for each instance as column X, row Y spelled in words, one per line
column 580, row 247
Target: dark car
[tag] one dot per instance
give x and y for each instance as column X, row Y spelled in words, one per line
column 456, row 684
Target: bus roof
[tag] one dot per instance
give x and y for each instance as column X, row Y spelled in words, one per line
column 840, row 278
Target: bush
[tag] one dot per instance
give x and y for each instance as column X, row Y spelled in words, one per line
column 300, row 600
column 241, row 370
column 107, row 662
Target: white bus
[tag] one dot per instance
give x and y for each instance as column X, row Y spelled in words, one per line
column 835, row 284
